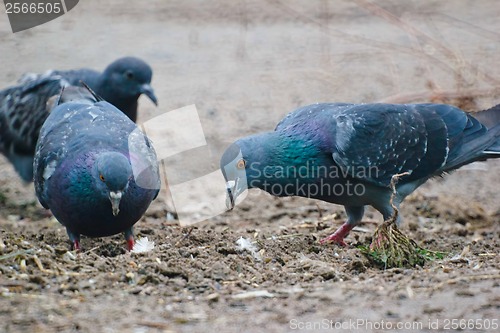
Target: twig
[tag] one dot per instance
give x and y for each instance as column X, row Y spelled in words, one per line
column 184, row 237
column 283, row 236
column 38, row 262
column 320, row 212
column 421, row 36
column 91, row 250
column 15, row 254
column 394, row 181
column 156, row 325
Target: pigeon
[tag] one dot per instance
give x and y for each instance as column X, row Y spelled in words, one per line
column 121, row 83
column 24, row 107
column 347, row 154
column 93, row 168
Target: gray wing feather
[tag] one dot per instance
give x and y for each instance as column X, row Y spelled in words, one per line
column 378, row 141
column 303, row 114
column 23, row 109
column 375, row 142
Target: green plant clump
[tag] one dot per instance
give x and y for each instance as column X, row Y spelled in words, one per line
column 391, row 248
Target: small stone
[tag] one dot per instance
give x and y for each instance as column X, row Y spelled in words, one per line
column 69, row 256
column 213, row 297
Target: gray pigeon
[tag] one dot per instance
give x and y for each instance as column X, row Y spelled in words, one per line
column 93, row 168
column 347, row 153
column 23, row 108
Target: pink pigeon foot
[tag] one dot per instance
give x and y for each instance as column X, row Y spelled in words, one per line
column 338, row 236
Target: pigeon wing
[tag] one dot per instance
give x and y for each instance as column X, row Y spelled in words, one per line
column 303, row 115
column 74, row 77
column 23, row 109
column 373, row 142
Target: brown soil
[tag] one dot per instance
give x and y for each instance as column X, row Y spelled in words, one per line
column 245, row 65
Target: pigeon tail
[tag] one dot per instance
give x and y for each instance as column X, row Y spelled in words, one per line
column 490, row 117
column 493, row 151
column 96, row 97
column 479, row 145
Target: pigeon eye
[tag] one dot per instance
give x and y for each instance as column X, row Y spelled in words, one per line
column 241, row 164
column 101, row 177
column 129, row 75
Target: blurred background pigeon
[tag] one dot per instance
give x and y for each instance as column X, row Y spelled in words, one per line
column 94, row 169
column 24, row 108
column 347, row 153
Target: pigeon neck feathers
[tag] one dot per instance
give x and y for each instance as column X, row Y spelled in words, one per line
column 122, row 82
column 280, row 158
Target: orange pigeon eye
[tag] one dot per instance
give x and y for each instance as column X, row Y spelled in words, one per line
column 101, row 177
column 241, row 164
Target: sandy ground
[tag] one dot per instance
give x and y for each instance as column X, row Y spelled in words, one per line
column 245, row 64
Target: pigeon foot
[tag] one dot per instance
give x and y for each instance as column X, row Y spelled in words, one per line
column 338, row 236
column 130, row 244
column 74, row 238
column 129, row 237
column 76, row 245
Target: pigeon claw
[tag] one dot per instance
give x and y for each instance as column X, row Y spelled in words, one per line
column 129, row 237
column 338, row 236
column 130, row 244
column 336, row 239
column 74, row 239
column 76, row 245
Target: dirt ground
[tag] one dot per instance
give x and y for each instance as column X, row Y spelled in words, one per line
column 245, row 64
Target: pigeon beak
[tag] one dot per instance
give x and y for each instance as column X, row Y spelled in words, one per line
column 232, row 193
column 115, row 198
column 147, row 90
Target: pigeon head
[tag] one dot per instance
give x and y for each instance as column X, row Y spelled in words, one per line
column 233, row 167
column 131, row 77
column 252, row 162
column 112, row 173
column 274, row 162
